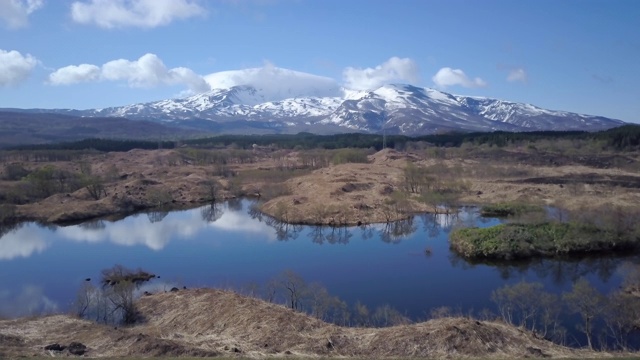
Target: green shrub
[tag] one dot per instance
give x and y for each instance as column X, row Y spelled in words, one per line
column 510, row 241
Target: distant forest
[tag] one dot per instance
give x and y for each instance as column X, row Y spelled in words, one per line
column 624, row 138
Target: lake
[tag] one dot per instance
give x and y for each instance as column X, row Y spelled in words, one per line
column 229, row 246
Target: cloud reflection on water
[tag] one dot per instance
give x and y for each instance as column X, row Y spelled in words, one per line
column 30, row 300
column 156, row 232
column 22, row 242
column 137, row 230
column 134, row 230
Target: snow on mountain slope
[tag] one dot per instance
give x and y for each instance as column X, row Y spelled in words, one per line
column 309, row 106
column 532, row 117
column 220, row 104
column 281, row 98
column 408, row 109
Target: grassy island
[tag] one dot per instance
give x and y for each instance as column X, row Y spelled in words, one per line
column 512, row 241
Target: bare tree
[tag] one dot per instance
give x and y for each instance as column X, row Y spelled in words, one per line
column 361, row 316
column 588, row 302
column 121, row 297
column 118, row 288
column 271, row 290
column 294, row 286
column 622, row 314
column 95, row 187
column 156, row 216
column 386, row 315
column 212, row 212
column 84, row 300
column 319, row 300
column 213, row 189
column 527, row 305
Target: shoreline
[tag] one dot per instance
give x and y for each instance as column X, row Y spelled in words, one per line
column 379, row 190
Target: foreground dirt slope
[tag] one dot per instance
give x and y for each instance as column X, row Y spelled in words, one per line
column 208, row 322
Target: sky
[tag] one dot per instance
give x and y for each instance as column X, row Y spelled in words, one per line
column 574, row 55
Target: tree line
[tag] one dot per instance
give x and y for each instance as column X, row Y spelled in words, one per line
column 607, row 321
column 624, row 138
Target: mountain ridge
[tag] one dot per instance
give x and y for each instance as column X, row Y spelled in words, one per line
column 393, row 108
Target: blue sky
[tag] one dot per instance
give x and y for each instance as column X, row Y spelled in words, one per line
column 581, row 55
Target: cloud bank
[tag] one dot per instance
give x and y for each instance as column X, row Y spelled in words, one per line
column 146, row 72
column 275, row 83
column 393, row 70
column 15, row 13
column 447, row 76
column 270, row 82
column 110, row 14
column 15, row 67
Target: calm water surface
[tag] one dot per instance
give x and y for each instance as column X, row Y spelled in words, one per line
column 41, row 268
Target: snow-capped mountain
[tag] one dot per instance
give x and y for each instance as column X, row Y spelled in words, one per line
column 238, row 102
column 407, row 109
column 280, row 100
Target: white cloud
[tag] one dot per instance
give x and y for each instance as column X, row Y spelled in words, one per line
column 148, row 71
column 393, row 70
column 15, row 13
column 136, row 13
column 15, row 67
column 450, row 77
column 73, row 74
column 517, row 74
column 273, row 83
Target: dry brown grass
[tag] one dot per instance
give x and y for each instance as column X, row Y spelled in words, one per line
column 338, row 194
column 206, row 322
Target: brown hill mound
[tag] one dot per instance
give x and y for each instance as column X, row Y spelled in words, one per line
column 206, row 322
